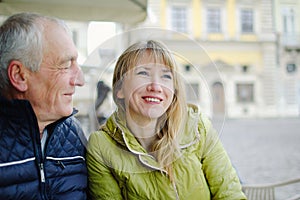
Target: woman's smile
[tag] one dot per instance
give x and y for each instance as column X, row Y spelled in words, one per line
column 150, row 99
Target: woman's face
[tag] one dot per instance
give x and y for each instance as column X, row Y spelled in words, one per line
column 147, row 90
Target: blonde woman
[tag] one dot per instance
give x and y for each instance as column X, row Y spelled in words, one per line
column 155, row 146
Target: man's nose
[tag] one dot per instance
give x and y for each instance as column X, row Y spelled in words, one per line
column 79, row 77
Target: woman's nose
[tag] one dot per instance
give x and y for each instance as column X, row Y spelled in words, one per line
column 154, row 87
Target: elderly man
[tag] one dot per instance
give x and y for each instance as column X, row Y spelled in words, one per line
column 42, row 151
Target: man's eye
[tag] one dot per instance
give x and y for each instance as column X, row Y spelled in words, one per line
column 64, row 68
column 66, row 65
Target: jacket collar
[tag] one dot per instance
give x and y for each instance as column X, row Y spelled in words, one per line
column 15, row 108
column 19, row 108
column 191, row 133
column 117, row 129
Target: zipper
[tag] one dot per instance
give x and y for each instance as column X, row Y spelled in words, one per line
column 61, row 164
column 39, row 157
column 43, row 179
column 64, row 162
column 71, row 162
column 40, row 163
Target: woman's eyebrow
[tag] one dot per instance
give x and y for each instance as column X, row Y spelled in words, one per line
column 166, row 70
column 142, row 67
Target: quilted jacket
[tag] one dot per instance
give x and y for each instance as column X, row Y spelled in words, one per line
column 120, row 168
column 24, row 172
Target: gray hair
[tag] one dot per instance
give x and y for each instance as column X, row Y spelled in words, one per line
column 21, row 38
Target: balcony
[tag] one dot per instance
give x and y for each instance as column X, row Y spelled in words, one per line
column 290, row 40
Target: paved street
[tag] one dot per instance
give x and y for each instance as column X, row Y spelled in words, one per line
column 264, row 150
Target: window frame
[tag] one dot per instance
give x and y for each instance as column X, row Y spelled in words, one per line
column 179, row 23
column 247, row 20
column 213, row 25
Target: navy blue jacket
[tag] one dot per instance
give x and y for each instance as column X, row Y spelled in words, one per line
column 24, row 172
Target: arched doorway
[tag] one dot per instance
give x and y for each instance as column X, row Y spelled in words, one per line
column 218, row 99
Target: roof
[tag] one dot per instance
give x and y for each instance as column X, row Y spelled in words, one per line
column 122, row 11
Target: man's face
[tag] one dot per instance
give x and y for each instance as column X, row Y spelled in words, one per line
column 51, row 89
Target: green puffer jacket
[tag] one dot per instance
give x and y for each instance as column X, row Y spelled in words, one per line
column 120, row 168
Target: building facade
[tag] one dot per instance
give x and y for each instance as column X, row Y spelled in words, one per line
column 239, row 58
column 252, row 48
column 287, row 26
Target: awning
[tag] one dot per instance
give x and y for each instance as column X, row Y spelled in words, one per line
column 122, row 11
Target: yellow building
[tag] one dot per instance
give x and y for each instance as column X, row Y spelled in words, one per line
column 229, row 54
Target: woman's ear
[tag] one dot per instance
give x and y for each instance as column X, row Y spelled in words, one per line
column 17, row 75
column 120, row 94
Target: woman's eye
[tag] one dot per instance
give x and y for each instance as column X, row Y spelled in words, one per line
column 167, row 76
column 142, row 73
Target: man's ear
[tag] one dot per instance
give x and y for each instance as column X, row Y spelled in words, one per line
column 17, row 75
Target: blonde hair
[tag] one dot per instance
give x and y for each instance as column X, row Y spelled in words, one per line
column 171, row 124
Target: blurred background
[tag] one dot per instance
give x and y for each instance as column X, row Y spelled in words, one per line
column 240, row 61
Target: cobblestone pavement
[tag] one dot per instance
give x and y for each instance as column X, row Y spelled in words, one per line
column 264, row 150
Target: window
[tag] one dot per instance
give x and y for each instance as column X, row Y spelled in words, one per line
column 247, row 21
column 288, row 16
column 291, row 67
column 179, row 18
column 245, row 92
column 213, row 20
column 245, row 68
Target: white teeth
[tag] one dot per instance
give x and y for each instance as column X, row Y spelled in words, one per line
column 152, row 99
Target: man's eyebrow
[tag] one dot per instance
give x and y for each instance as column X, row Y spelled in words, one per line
column 67, row 58
column 71, row 57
